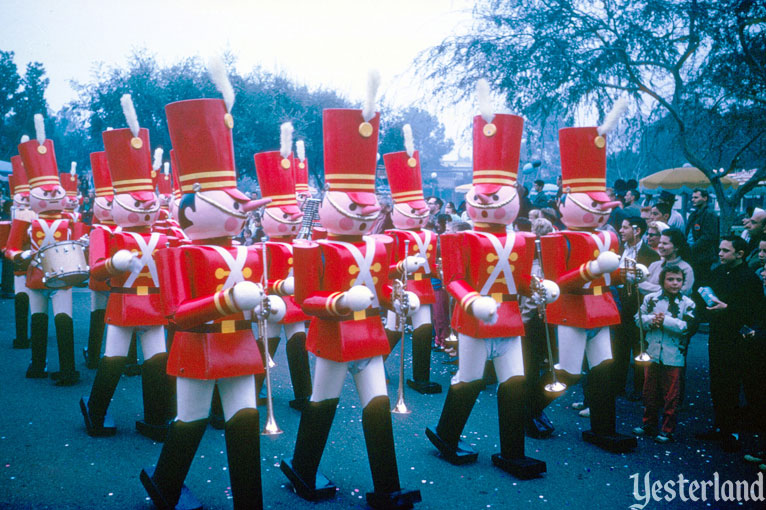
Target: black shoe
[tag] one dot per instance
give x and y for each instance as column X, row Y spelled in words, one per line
column 524, row 468
column 398, row 500
column 321, row 489
column 425, row 387
column 36, row 372
column 69, row 378
column 615, row 443
column 536, row 429
column 460, row 454
column 104, row 429
column 299, row 403
column 132, row 370
column 186, row 501
column 710, row 435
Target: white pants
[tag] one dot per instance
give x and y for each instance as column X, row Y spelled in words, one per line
column 369, row 377
column 575, row 343
column 118, row 340
column 60, row 298
column 422, row 316
column 20, row 284
column 194, row 396
column 473, row 354
column 274, row 329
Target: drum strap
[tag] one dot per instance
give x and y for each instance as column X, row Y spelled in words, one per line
column 365, row 263
column 147, row 260
column 49, row 232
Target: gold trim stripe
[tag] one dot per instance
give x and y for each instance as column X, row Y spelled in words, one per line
column 207, row 175
column 23, row 188
column 596, row 180
column 189, row 188
column 339, row 186
column 366, row 177
column 578, row 189
column 217, row 302
column 495, row 172
column 402, row 194
column 131, row 181
column 279, row 203
column 277, row 197
column 230, row 301
column 102, row 190
column 128, row 189
column 45, row 179
column 469, row 302
column 502, row 182
column 470, row 294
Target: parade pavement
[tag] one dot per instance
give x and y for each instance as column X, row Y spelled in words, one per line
column 48, row 461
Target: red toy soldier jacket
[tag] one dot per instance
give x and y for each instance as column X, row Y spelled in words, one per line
column 585, row 301
column 96, row 252
column 134, row 298
column 213, row 338
column 423, row 243
column 280, row 262
column 43, row 231
column 492, row 263
column 326, row 269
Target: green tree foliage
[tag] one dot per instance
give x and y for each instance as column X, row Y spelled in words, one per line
column 427, row 133
column 695, row 68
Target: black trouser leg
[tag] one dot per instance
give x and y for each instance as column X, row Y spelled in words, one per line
column 21, row 308
column 156, row 387
column 65, row 340
column 379, row 438
column 6, row 288
column 421, row 353
column 313, row 430
column 39, row 344
column 243, row 449
column 104, row 385
column 167, row 479
column 602, row 408
column 298, row 364
column 510, row 415
column 95, row 337
column 620, row 356
column 457, row 408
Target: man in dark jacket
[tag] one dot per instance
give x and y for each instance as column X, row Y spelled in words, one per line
column 626, row 336
column 737, row 294
column 702, row 236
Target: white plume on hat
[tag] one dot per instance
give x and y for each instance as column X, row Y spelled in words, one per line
column 166, row 168
column 39, row 128
column 217, row 71
column 373, row 82
column 158, row 152
column 73, row 169
column 300, row 150
column 130, row 113
column 610, row 122
column 24, row 138
column 285, row 139
column 409, row 143
column 485, row 105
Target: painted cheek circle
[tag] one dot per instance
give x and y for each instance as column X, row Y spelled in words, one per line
column 588, row 218
column 231, row 224
column 499, row 214
column 346, row 224
column 411, row 222
column 282, row 227
column 42, row 203
column 133, row 217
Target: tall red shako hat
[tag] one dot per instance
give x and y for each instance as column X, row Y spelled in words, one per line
column 351, row 148
column 275, row 173
column 70, row 182
column 174, row 173
column 583, row 156
column 39, row 159
column 18, row 180
column 403, row 171
column 201, row 133
column 102, row 179
column 129, row 156
column 301, row 168
column 496, row 145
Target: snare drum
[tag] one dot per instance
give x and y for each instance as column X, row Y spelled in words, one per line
column 63, row 264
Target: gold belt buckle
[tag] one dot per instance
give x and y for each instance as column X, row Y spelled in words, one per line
column 228, row 326
column 497, row 296
column 360, row 315
column 597, row 291
column 142, row 290
column 417, row 276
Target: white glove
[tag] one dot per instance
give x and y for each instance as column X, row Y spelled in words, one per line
column 413, row 303
column 277, row 308
column 124, row 260
column 485, row 309
column 642, row 272
column 552, row 291
column 288, row 285
column 247, row 295
column 357, row 298
column 413, row 263
column 606, row 262
column 26, row 255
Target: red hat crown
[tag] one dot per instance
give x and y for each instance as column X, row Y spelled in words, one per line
column 201, row 133
column 583, row 161
column 496, row 151
column 130, row 160
column 404, row 177
column 102, row 179
column 174, row 173
column 20, row 184
column 40, row 163
column 164, row 183
column 350, row 152
column 301, row 173
column 70, row 182
column 276, row 179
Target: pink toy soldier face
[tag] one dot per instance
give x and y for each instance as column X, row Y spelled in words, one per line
column 102, row 209
column 71, row 203
column 47, row 198
column 214, row 213
column 581, row 211
column 410, row 215
column 134, row 210
column 501, row 206
column 165, row 200
column 276, row 221
column 21, row 201
column 341, row 215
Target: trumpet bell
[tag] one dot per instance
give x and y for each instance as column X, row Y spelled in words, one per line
column 642, row 358
column 401, row 407
column 556, row 387
column 271, row 428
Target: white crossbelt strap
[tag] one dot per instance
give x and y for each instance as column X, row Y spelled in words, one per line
column 503, row 262
column 603, row 246
column 49, row 232
column 423, row 247
column 365, row 263
column 235, row 265
column 146, row 258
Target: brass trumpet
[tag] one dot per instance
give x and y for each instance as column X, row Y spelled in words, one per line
column 270, row 428
column 538, row 294
column 400, row 294
column 629, row 268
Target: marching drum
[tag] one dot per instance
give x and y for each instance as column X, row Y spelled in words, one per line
column 63, row 264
